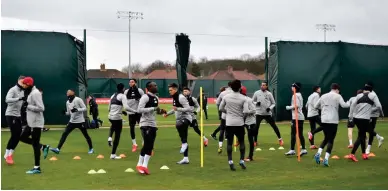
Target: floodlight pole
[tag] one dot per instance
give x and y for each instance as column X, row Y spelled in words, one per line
column 129, row 15
column 325, row 28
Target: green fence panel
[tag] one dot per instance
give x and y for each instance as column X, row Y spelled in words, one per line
column 252, row 86
column 313, row 63
column 363, row 63
column 207, row 88
column 51, row 58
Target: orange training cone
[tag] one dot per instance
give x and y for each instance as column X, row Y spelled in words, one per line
column 77, row 158
column 122, row 155
column 371, row 155
column 321, row 159
column 335, row 157
column 53, row 158
column 100, row 156
column 347, row 156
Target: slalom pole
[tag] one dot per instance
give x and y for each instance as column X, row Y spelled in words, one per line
column 234, row 143
column 201, row 123
column 296, row 124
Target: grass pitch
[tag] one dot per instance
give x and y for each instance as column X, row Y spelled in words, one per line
column 270, row 170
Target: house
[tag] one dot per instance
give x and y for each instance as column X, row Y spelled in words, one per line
column 105, row 73
column 230, row 74
column 261, row 77
column 168, row 74
column 111, row 73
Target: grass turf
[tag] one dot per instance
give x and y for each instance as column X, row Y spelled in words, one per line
column 270, row 170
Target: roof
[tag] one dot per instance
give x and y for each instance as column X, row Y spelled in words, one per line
column 107, row 73
column 261, row 77
column 166, row 74
column 137, row 75
column 232, row 75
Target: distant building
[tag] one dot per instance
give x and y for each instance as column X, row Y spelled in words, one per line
column 230, row 74
column 169, row 74
column 105, row 73
column 110, row 73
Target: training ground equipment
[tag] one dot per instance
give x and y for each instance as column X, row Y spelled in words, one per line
column 101, row 171
column 92, row 172
column 77, row 158
column 258, row 149
column 122, row 155
column 129, row 170
column 271, row 149
column 53, row 158
column 164, row 167
column 335, row 157
column 100, row 156
column 281, row 148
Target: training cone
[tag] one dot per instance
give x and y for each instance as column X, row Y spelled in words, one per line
column 100, row 156
column 335, row 157
column 92, row 172
column 101, row 171
column 129, row 170
column 346, row 156
column 53, row 158
column 164, row 167
column 321, row 159
column 122, row 155
column 271, row 149
column 77, row 158
column 258, row 149
column 281, row 148
column 371, row 155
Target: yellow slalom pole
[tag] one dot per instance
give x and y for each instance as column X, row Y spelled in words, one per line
column 201, row 123
column 234, row 143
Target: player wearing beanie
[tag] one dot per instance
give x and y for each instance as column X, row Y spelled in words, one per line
column 299, row 105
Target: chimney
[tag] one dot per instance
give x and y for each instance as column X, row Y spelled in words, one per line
column 102, row 67
column 230, row 69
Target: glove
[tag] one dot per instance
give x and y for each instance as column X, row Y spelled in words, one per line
column 163, row 111
column 124, row 113
column 350, row 122
column 258, row 103
column 268, row 109
column 74, row 110
column 63, row 112
column 195, row 113
column 24, row 98
column 157, row 109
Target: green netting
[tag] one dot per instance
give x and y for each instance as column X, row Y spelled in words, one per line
column 54, row 60
column 313, row 63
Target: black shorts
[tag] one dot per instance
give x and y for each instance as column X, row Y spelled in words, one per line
column 238, row 131
column 134, row 118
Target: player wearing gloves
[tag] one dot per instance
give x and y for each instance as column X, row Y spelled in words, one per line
column 75, row 108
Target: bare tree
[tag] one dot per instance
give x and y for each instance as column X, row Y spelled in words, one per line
column 135, row 68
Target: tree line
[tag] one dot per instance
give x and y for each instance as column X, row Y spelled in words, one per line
column 205, row 67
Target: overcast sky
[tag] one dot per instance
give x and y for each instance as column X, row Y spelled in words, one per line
column 246, row 21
